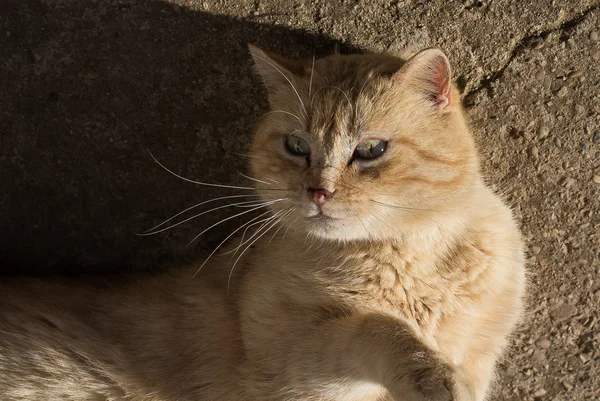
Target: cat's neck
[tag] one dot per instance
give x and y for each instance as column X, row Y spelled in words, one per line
column 427, row 243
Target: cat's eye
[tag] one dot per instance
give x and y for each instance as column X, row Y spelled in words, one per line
column 297, row 146
column 370, row 149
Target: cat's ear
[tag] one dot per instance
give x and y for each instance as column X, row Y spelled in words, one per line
column 428, row 72
column 274, row 70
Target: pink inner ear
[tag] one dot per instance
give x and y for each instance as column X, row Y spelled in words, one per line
column 441, row 81
column 429, row 73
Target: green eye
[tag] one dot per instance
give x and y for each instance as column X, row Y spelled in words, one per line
column 371, row 149
column 297, row 146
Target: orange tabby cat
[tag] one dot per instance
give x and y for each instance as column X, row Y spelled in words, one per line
column 386, row 270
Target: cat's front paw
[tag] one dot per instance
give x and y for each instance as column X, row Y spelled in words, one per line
column 433, row 384
column 439, row 383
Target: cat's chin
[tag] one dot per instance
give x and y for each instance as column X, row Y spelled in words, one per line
column 336, row 229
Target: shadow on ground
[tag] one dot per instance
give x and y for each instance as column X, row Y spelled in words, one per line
column 87, row 89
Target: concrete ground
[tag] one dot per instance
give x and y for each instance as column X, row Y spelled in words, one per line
column 88, row 87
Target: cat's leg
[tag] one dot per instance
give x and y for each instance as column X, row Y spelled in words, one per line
column 338, row 358
column 488, row 336
column 477, row 375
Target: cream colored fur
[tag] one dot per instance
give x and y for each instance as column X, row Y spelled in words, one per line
column 409, row 294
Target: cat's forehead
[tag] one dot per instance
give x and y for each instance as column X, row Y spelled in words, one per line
column 342, row 92
column 333, row 111
column 352, row 70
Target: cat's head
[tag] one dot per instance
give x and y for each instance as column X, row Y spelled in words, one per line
column 362, row 146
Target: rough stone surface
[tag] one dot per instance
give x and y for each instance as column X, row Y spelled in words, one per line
column 563, row 312
column 87, row 88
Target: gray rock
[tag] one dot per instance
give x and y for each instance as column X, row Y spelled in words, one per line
column 562, row 92
column 563, row 312
column 534, row 152
column 569, row 182
column 543, row 343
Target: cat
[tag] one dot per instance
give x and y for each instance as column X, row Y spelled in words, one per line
column 383, row 269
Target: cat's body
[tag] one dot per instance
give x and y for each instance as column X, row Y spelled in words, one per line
column 413, row 303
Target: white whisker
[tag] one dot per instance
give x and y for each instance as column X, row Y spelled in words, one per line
column 294, row 131
column 343, row 93
column 288, row 228
column 233, row 217
column 290, row 211
column 239, row 154
column 197, row 182
column 242, row 242
column 381, row 217
column 314, row 239
column 287, row 79
column 284, row 112
column 244, row 251
column 404, row 208
column 411, row 210
column 363, row 224
column 263, row 204
column 248, row 204
column 255, row 179
column 315, row 95
column 226, row 238
column 281, row 215
column 312, row 70
column 198, row 205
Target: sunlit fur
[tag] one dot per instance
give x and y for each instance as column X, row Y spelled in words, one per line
column 406, row 288
column 429, row 172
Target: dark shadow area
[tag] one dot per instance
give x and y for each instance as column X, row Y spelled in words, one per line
column 86, row 89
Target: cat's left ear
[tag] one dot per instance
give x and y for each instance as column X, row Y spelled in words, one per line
column 429, row 73
column 274, row 69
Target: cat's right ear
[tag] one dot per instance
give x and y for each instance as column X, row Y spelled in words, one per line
column 273, row 69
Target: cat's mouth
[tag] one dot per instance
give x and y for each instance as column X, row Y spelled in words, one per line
column 324, row 222
column 326, row 226
column 327, row 221
column 326, row 218
column 333, row 224
column 322, row 216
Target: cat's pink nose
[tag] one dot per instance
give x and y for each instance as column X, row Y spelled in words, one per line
column 320, row 195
